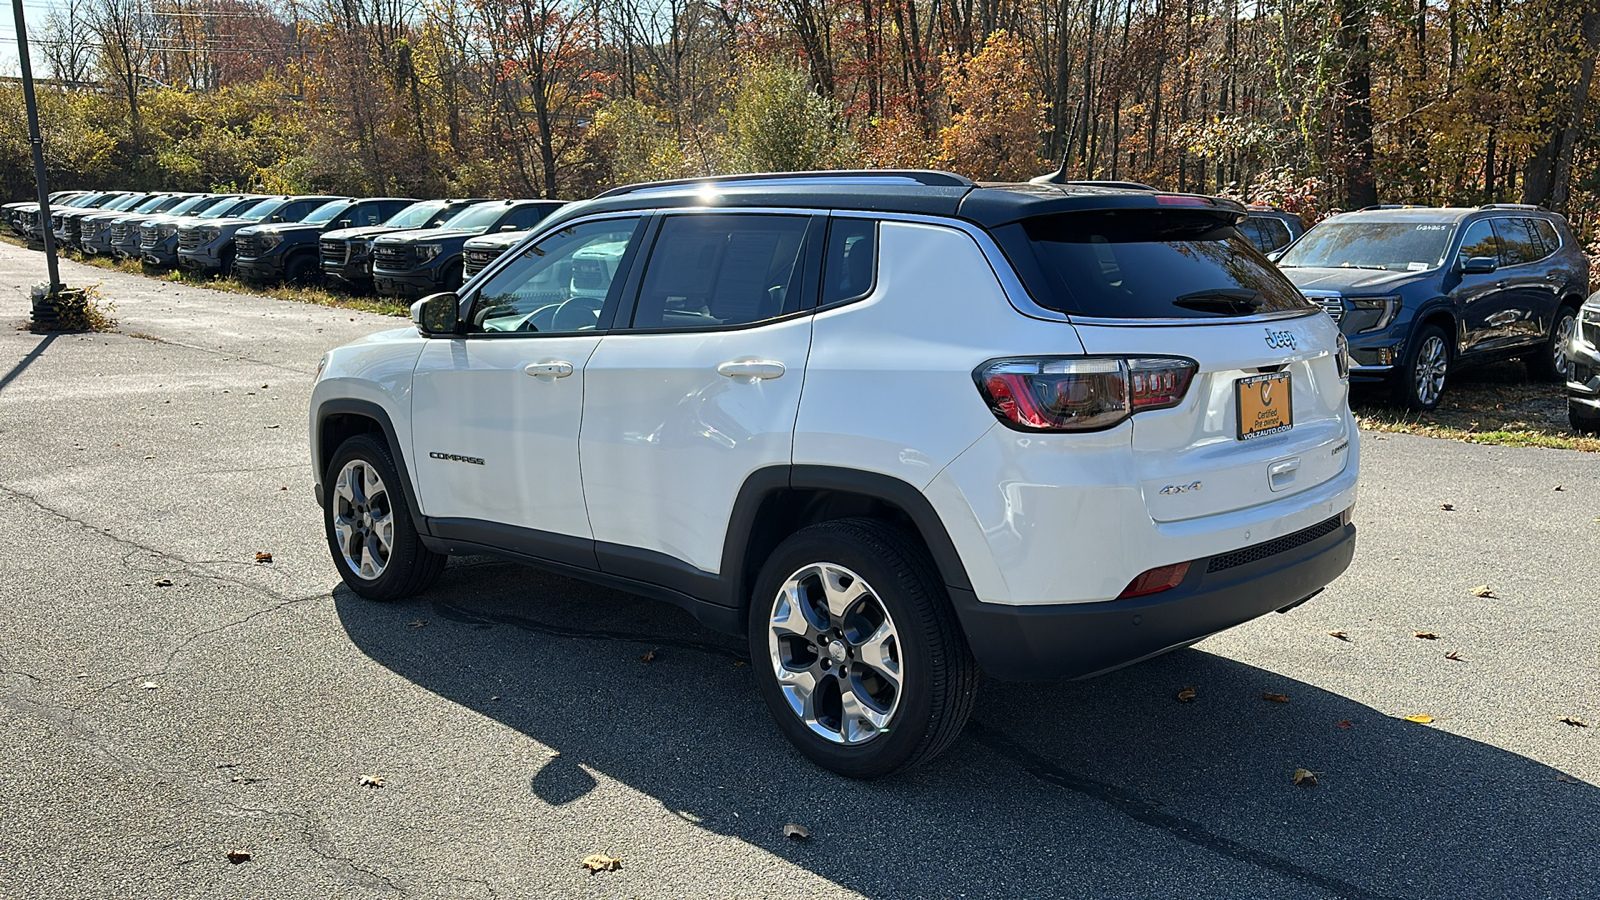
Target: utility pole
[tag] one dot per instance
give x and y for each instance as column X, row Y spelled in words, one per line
column 38, row 151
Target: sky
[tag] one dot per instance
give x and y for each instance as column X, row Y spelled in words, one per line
column 35, row 11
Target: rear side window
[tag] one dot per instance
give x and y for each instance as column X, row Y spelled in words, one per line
column 1145, row 264
column 713, row 270
column 1274, row 234
column 851, row 266
column 1548, row 234
column 1518, row 243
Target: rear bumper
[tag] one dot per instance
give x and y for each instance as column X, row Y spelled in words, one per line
column 1077, row 640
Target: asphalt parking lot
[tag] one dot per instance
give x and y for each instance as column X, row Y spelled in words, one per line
column 165, row 699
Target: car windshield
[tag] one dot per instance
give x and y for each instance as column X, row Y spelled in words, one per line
column 416, row 215
column 1396, row 246
column 262, row 210
column 223, row 210
column 327, row 212
column 194, row 203
column 478, row 217
column 150, row 204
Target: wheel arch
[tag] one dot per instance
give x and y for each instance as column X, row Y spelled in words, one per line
column 777, row 501
column 341, row 418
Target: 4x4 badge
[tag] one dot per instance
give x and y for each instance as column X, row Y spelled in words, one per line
column 1280, row 340
column 1181, row 488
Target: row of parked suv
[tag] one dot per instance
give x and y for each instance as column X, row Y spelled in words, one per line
column 399, row 246
column 1418, row 292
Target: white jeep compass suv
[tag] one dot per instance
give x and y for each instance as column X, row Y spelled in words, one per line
column 893, row 426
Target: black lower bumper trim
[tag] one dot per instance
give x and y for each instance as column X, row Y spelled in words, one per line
column 1077, row 640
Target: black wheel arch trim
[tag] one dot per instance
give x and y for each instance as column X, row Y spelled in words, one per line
column 347, row 406
column 763, row 483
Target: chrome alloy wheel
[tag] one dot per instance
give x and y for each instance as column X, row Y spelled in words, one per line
column 1558, row 353
column 836, row 654
column 1433, row 358
column 363, row 519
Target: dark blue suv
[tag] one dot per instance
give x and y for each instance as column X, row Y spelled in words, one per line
column 1418, row 291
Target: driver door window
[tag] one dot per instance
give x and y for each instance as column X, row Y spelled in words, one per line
column 559, row 285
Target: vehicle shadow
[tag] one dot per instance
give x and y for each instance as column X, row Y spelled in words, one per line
column 1109, row 787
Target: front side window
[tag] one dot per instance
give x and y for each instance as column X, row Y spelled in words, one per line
column 713, row 270
column 557, row 286
column 1479, row 240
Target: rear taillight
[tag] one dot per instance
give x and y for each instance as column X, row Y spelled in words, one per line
column 1080, row 393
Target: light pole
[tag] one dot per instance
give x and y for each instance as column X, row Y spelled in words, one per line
column 38, row 152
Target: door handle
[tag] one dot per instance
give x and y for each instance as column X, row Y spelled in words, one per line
column 551, row 368
column 751, row 369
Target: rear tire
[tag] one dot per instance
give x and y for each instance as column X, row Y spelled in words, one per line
column 856, row 649
column 1420, row 381
column 1550, row 362
column 371, row 536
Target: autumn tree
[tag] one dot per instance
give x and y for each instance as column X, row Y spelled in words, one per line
column 996, row 116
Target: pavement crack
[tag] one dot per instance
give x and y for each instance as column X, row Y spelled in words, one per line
column 1147, row 813
column 329, row 856
column 188, row 566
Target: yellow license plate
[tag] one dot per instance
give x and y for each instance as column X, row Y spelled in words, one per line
column 1265, row 404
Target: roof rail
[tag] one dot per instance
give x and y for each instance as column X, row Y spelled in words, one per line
column 1392, row 206
column 930, row 177
column 1511, row 206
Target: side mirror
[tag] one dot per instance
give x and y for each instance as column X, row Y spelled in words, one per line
column 277, row 218
column 344, row 223
column 508, row 228
column 1479, row 265
column 436, row 314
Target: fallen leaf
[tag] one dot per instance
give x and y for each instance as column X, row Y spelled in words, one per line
column 796, row 832
column 649, row 656
column 163, row 582
column 1576, row 723
column 238, row 856
column 1453, row 655
column 285, row 488
column 739, row 662
column 600, row 862
column 1420, row 719
column 1558, row 487
column 1185, row 695
column 350, row 320
column 1447, row 507
column 418, row 623
column 149, row 457
column 246, row 779
column 1339, row 634
column 263, row 557
column 1568, row 780
column 1343, row 723
column 372, row 781
column 1427, row 635
column 150, row 686
column 1482, row 590
column 1276, row 698
column 227, row 765
column 1305, row 777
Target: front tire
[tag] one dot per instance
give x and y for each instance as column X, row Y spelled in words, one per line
column 857, row 651
column 1420, row 382
column 368, row 523
column 1583, row 419
column 1550, row 362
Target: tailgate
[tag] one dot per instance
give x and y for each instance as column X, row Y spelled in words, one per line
column 1200, row 458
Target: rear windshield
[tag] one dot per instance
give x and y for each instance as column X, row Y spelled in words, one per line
column 1395, row 246
column 1145, row 264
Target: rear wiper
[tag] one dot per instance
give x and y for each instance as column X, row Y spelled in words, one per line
column 1235, row 301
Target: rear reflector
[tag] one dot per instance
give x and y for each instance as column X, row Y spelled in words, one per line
column 1155, row 581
